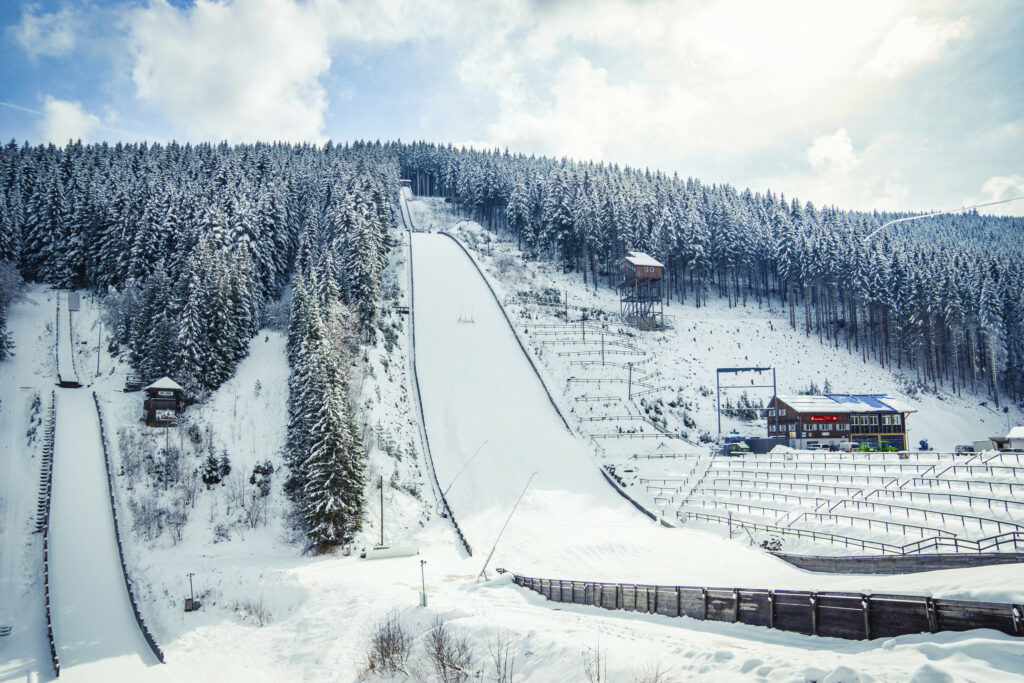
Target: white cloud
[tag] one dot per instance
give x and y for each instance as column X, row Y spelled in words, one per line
column 998, row 188
column 668, row 79
column 832, row 152
column 910, row 43
column 253, row 70
column 840, row 176
column 51, row 34
column 65, row 120
column 238, row 72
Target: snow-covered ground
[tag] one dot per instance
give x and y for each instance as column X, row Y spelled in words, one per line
column 25, row 384
column 271, row 613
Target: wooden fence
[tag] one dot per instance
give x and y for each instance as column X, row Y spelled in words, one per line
column 150, row 640
column 855, row 616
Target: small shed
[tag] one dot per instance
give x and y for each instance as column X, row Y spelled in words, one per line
column 1013, row 441
column 163, row 402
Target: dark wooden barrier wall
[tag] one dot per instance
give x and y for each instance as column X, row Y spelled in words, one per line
column 840, row 615
column 48, row 491
column 150, row 640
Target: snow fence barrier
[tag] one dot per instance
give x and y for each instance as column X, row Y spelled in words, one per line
column 117, row 533
column 48, row 479
column 854, row 616
column 419, row 400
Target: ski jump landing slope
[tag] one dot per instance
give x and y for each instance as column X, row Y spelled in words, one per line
column 94, row 628
column 479, row 392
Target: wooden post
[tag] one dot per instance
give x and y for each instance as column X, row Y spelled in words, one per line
column 704, row 594
column 814, row 613
column 736, row 605
column 771, row 609
column 865, row 604
column 933, row 617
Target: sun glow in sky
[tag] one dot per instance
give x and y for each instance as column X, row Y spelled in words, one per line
column 890, row 104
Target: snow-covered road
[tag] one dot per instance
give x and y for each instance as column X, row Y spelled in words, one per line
column 94, row 627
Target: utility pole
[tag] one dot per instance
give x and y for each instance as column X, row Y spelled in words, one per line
column 629, row 391
column 382, row 510
column 99, row 341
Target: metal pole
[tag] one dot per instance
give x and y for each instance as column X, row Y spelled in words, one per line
column 629, row 391
column 718, row 405
column 483, row 571
column 602, row 347
column 191, row 592
column 475, row 453
column 99, row 342
column 423, row 579
column 382, row 510
column 775, row 395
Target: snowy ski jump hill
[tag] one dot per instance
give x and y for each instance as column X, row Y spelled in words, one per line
column 94, row 627
column 480, row 396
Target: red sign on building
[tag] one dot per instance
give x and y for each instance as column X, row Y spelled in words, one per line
column 823, row 418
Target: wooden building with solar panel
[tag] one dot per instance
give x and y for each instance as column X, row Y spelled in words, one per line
column 834, row 420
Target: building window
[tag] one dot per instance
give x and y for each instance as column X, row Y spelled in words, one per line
column 874, row 420
column 771, row 412
column 896, row 419
column 855, row 419
column 885, row 420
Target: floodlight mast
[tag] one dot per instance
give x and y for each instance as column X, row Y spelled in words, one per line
column 719, row 387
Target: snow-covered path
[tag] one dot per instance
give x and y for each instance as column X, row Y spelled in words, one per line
column 94, row 627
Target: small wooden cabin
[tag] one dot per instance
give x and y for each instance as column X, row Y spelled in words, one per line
column 639, row 266
column 163, row 402
column 640, row 293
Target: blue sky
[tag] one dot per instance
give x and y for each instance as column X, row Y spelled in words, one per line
column 894, row 105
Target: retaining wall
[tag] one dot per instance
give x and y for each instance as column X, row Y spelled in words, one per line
column 855, row 616
column 50, row 433
column 897, row 564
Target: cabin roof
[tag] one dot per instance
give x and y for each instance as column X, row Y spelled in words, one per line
column 165, row 383
column 1016, row 433
column 638, row 258
column 846, row 403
